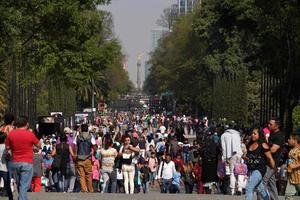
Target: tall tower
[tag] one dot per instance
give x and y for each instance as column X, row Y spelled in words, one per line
column 138, row 79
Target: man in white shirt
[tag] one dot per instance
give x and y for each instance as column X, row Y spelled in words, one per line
column 165, row 174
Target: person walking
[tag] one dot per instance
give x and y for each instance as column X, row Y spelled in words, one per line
column 127, row 153
column 20, row 142
column 231, row 154
column 276, row 141
column 166, row 172
column 108, row 155
column 84, row 142
column 258, row 153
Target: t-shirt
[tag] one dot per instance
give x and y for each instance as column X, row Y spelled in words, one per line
column 278, row 139
column 20, row 142
column 176, row 178
column 108, row 158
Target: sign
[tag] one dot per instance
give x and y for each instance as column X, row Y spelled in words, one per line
column 81, row 118
column 56, row 114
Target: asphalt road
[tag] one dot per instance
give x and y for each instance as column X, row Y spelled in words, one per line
column 150, row 196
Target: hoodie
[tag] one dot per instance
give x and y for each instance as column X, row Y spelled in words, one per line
column 231, row 144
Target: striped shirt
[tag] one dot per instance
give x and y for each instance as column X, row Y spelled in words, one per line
column 294, row 175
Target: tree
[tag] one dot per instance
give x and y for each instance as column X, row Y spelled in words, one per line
column 168, row 18
column 54, row 48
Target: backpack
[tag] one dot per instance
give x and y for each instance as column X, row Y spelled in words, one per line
column 84, row 149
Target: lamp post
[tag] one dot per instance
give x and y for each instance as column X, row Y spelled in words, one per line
column 93, row 105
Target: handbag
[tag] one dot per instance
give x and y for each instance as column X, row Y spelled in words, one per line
column 240, row 169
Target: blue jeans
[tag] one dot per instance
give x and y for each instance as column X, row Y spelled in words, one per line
column 23, row 173
column 175, row 189
column 166, row 185
column 145, row 187
column 109, row 179
column 256, row 181
column 60, row 182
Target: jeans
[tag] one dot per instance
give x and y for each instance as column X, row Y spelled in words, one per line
column 71, row 174
column 23, row 173
column 152, row 177
column 270, row 184
column 291, row 190
column 109, row 178
column 145, row 187
column 60, row 182
column 174, row 189
column 256, row 181
column 5, row 177
column 166, row 185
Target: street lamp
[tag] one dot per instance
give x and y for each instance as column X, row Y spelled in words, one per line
column 93, row 105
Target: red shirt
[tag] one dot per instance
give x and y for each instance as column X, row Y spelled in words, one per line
column 20, row 142
column 180, row 163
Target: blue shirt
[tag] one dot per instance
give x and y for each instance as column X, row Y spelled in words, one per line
column 176, row 178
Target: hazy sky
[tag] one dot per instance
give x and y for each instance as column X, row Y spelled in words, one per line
column 133, row 21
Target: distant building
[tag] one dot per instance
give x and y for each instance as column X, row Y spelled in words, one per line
column 185, row 6
column 156, row 35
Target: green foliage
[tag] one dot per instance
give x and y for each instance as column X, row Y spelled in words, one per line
column 296, row 117
column 65, row 47
column 214, row 57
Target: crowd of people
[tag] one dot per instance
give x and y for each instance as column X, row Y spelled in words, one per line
column 137, row 153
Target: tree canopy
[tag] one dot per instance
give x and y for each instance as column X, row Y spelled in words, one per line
column 213, row 58
column 52, row 48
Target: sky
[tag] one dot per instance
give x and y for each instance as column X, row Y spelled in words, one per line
column 133, row 22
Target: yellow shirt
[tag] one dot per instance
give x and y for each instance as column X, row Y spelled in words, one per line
column 294, row 175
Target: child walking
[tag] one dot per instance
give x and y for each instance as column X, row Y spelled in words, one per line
column 95, row 173
column 145, row 176
column 175, row 187
column 36, row 183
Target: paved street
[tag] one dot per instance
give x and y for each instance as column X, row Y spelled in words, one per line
column 152, row 196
